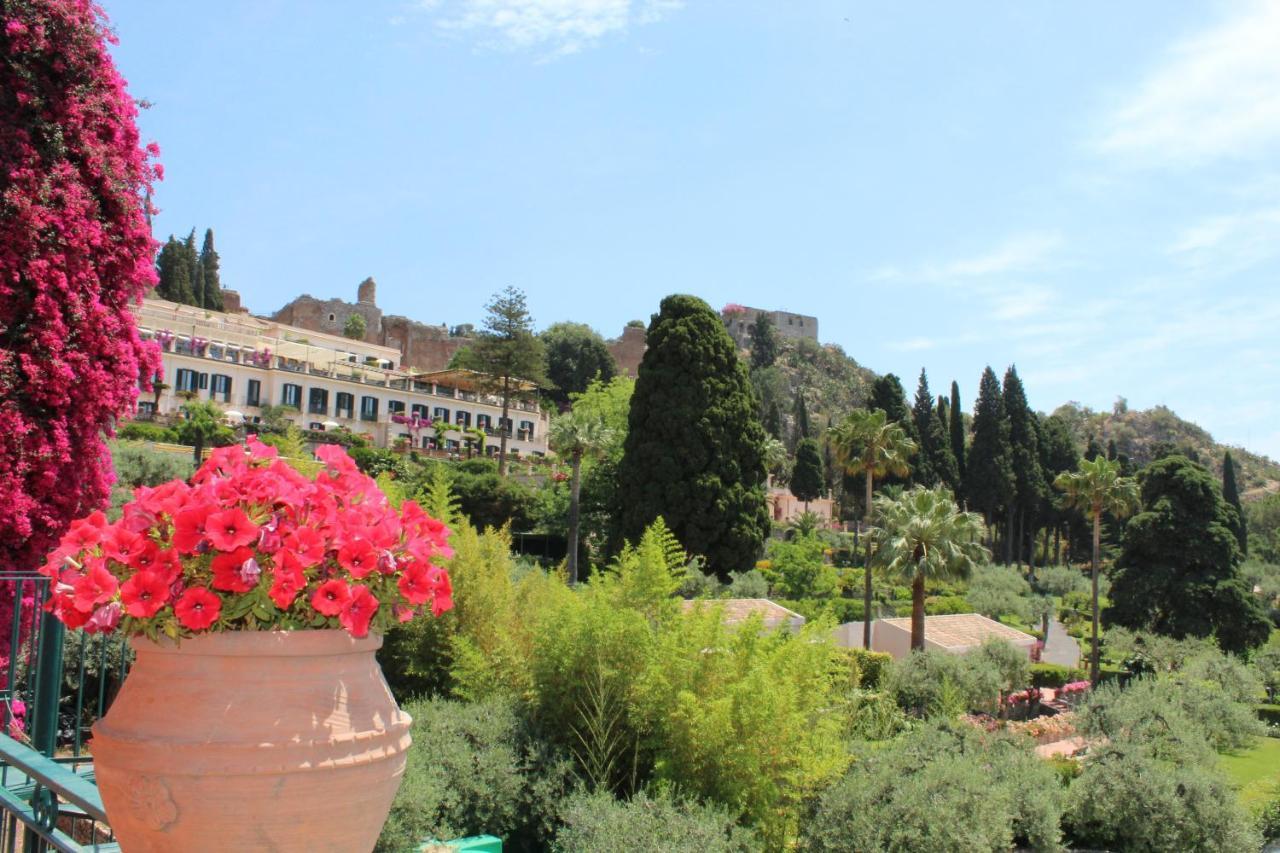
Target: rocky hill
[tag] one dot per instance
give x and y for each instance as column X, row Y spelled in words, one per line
column 1138, row 434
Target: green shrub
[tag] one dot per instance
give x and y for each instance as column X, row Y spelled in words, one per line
column 1269, row 714
column 475, row 768
column 872, row 667
column 798, row 568
column 139, row 465
column 1126, row 798
column 1054, row 675
column 943, row 605
column 599, row 823
column 1269, row 820
column 940, row 789
column 143, row 431
column 840, row 610
column 996, row 591
column 934, row 683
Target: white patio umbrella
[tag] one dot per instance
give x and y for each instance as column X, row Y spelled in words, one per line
column 233, row 416
column 330, row 424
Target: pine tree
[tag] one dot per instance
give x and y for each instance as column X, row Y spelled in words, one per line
column 956, row 425
column 1231, row 494
column 989, row 479
column 801, row 414
column 212, row 278
column 764, row 342
column 807, row 476
column 1029, row 484
column 508, row 355
column 694, row 451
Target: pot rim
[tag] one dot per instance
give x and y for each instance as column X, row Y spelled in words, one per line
column 304, row 643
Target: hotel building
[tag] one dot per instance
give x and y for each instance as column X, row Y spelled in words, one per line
column 243, row 363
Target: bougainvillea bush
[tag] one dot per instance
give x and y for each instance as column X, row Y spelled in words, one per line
column 75, row 249
column 251, row 544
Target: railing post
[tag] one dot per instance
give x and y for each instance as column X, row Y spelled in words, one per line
column 44, row 729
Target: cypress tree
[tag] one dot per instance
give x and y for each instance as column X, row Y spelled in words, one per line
column 1231, row 494
column 934, row 461
column 989, row 479
column 1094, row 449
column 806, row 476
column 956, row 424
column 174, row 274
column 194, row 272
column 694, row 451
column 1029, row 484
column 773, row 420
column 801, row 414
column 888, row 395
column 212, row 277
column 1111, row 450
column 942, row 410
column 764, row 342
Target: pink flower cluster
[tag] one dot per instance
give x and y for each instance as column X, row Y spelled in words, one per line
column 253, row 544
column 75, row 250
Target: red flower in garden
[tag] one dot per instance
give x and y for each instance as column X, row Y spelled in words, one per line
column 230, row 529
column 287, row 580
column 358, row 557
column 331, row 597
column 98, row 586
column 186, row 551
column 189, row 527
column 358, row 611
column 197, row 609
column 121, row 544
column 229, row 571
column 144, row 594
column 415, row 585
column 307, row 545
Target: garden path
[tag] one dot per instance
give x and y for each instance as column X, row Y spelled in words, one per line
column 1059, row 646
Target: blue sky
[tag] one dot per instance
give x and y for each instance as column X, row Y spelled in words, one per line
column 1089, row 190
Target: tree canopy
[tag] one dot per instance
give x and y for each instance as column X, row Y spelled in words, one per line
column 576, row 356
column 1178, row 571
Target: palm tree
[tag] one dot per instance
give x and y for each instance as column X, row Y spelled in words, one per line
column 201, row 425
column 868, row 443
column 1096, row 487
column 924, row 536
column 576, row 435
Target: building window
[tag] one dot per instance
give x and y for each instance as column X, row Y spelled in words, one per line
column 368, row 408
column 204, row 381
column 254, row 394
column 420, row 410
column 462, row 419
column 332, row 318
column 395, row 407
column 316, row 426
column 220, row 387
column 526, row 430
column 484, row 421
column 318, row 401
column 791, row 321
column 802, row 322
column 441, row 415
column 291, row 395
column 345, row 403
column 185, row 380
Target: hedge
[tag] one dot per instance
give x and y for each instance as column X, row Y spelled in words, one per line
column 1269, row 714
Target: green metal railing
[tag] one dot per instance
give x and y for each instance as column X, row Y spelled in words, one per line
column 54, row 687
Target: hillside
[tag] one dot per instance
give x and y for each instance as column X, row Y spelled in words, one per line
column 1138, row 433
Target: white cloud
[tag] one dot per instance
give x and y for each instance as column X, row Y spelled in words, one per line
column 1230, row 243
column 1019, row 303
column 558, row 27
column 1020, row 253
column 1215, row 95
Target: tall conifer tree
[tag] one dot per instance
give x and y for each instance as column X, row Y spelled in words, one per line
column 212, row 277
column 1029, row 484
column 956, row 428
column 194, row 273
column 1231, row 494
column 801, row 414
column 806, row 476
column 694, row 451
column 764, row 342
column 174, row 274
column 935, row 463
column 989, row 480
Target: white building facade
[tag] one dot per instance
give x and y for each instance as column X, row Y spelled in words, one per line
column 244, row 363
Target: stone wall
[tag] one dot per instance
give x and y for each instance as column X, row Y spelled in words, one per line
column 628, row 350
column 739, row 320
column 421, row 346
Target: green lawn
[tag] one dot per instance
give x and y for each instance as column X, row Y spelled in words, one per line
column 1256, row 771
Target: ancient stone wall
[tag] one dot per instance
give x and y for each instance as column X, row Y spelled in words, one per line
column 330, row 315
column 628, row 350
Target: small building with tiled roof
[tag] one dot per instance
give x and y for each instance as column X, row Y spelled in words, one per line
column 738, row 610
column 954, row 633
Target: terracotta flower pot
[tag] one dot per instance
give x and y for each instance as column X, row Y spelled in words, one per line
column 252, row 741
